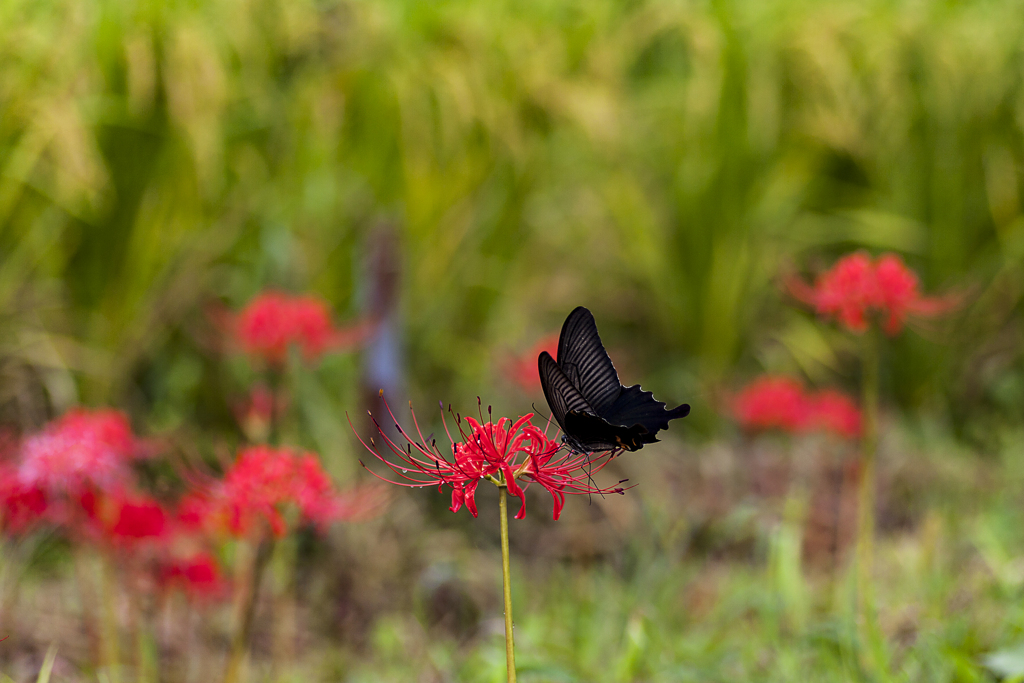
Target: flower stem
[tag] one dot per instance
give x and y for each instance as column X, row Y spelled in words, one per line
column 110, row 652
column 506, row 580
column 284, row 626
column 247, row 591
column 866, row 492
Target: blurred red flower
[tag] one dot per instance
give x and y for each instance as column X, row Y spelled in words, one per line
column 198, row 576
column 273, row 321
column 81, row 449
column 137, row 517
column 836, row 412
column 274, row 488
column 511, row 450
column 898, row 288
column 523, row 369
column 117, row 518
column 779, row 402
column 773, row 402
column 195, row 509
column 855, row 289
column 21, row 505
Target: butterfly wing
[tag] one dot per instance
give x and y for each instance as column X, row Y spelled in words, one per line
column 594, row 410
column 585, row 363
column 635, row 406
column 560, row 393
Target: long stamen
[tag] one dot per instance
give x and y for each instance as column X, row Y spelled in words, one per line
column 396, row 483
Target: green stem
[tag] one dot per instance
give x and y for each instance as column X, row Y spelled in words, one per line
column 506, row 580
column 284, row 561
column 274, row 379
column 245, row 609
column 866, row 492
column 110, row 652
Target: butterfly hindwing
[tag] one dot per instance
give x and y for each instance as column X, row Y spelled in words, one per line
column 638, row 407
column 560, row 393
column 581, row 356
column 593, row 433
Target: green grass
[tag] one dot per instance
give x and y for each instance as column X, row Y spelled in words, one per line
column 948, row 591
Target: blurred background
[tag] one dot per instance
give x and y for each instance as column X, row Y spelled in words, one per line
column 464, row 173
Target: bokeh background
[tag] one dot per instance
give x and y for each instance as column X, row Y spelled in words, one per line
column 471, row 171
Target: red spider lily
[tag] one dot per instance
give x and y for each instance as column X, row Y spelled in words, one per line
column 22, row 506
column 523, row 369
column 778, row 402
column 83, row 448
column 500, row 452
column 773, row 402
column 835, row 412
column 273, row 321
column 855, row 289
column 137, row 518
column 198, row 576
column 898, row 288
column 273, row 488
column 195, row 509
column 116, row 519
column 561, row 471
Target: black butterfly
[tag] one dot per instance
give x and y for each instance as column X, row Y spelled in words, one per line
column 595, row 412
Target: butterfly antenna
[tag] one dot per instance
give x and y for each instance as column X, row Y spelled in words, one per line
column 590, row 479
column 547, row 422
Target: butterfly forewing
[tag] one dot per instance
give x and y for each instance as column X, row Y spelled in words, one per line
column 560, row 393
column 585, row 363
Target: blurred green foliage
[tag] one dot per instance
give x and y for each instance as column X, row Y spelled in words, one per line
column 661, row 162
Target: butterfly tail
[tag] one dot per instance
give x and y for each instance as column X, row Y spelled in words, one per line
column 678, row 411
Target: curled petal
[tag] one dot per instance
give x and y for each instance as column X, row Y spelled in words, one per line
column 470, row 497
column 458, row 497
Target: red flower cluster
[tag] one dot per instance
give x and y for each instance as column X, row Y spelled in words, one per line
column 275, row 489
column 523, row 369
column 138, row 517
column 773, row 402
column 57, row 475
column 857, row 288
column 198, row 575
column 500, row 452
column 118, row 519
column 836, row 412
column 21, row 505
column 82, row 449
column 76, row 475
column 273, row 321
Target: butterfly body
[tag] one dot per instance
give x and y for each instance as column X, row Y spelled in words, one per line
column 595, row 411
